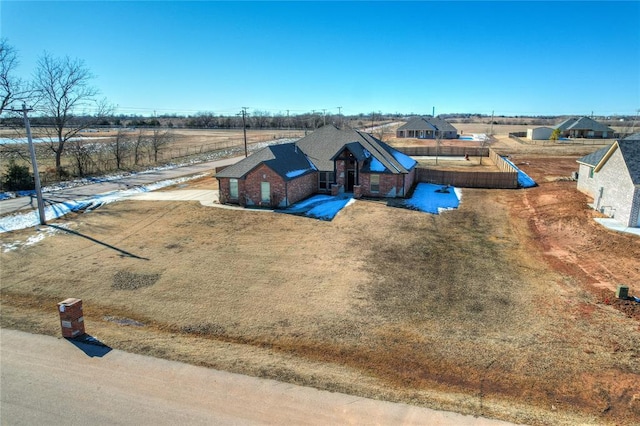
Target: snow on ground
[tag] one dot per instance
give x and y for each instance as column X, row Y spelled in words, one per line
column 426, row 198
column 524, row 180
column 323, row 207
column 42, row 233
column 54, row 211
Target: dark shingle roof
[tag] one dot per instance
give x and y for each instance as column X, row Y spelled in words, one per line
column 582, row 123
column 428, row 123
column 287, row 160
column 630, row 150
column 324, row 144
column 633, row 137
column 595, row 157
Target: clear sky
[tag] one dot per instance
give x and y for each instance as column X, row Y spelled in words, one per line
column 514, row 58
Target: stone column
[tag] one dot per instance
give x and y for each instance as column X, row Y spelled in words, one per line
column 357, row 191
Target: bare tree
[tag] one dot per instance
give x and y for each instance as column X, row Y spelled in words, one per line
column 138, row 145
column 82, row 159
column 157, row 141
column 67, row 99
column 120, row 147
column 12, row 88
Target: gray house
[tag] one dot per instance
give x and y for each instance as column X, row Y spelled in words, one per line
column 427, row 128
column 611, row 176
column 584, row 127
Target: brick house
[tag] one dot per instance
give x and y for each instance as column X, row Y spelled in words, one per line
column 329, row 160
column 611, row 176
column 427, row 128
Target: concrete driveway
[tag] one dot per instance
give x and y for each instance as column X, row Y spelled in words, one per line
column 47, row 380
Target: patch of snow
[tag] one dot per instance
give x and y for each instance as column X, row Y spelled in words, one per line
column 524, row 180
column 42, row 233
column 426, row 199
column 328, row 210
column 323, row 207
column 30, row 219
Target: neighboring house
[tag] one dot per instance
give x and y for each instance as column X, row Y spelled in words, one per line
column 427, row 128
column 329, row 160
column 539, row 133
column 584, row 127
column 611, row 176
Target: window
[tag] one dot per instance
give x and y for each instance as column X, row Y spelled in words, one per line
column 265, row 192
column 325, row 179
column 591, row 172
column 374, row 183
column 233, row 188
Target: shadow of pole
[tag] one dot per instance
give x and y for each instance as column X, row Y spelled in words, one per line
column 122, row 252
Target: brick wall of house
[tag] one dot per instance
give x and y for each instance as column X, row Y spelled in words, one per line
column 302, row 187
column 619, row 190
column 225, row 191
column 409, row 179
column 390, row 185
column 253, row 186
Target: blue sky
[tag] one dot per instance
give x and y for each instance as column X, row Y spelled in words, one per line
column 514, row 58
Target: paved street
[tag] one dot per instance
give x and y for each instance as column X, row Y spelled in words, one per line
column 47, row 380
column 87, row 191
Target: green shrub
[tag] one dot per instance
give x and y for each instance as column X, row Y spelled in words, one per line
column 17, row 178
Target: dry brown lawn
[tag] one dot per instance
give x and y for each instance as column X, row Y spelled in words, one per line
column 469, row 310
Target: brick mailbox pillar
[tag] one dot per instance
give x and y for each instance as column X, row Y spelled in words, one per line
column 71, row 318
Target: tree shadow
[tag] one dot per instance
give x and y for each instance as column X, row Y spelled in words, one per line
column 123, row 253
column 90, row 345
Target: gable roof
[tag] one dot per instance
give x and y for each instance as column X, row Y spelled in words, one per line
column 287, row 160
column 325, row 144
column 582, row 123
column 633, row 137
column 630, row 151
column 428, row 123
column 594, row 158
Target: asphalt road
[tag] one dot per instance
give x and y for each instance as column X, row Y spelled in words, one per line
column 52, row 381
column 86, row 191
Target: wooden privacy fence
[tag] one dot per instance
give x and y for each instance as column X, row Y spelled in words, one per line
column 506, row 178
column 444, row 151
column 468, row 179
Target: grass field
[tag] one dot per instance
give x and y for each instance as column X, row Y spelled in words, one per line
column 493, row 309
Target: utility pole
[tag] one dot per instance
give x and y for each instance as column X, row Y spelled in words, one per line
column 324, row 117
column 32, row 153
column 244, row 130
column 339, row 110
column 288, row 122
column 491, row 127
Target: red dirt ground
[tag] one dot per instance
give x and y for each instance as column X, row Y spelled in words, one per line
column 573, row 243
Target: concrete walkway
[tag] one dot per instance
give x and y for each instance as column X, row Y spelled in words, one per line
column 47, row 380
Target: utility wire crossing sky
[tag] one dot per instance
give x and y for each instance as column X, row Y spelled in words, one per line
column 514, row 58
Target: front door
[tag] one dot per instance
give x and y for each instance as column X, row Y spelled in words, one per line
column 351, row 179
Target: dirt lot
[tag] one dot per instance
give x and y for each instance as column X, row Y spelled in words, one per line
column 502, row 308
